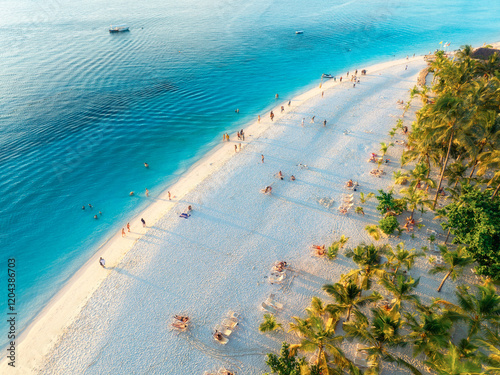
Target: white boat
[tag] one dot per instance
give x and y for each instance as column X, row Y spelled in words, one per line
column 324, row 75
column 118, row 28
column 299, row 32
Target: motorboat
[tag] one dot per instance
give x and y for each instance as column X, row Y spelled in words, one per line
column 118, row 28
column 299, row 32
column 324, row 75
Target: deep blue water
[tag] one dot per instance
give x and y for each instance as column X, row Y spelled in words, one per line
column 81, row 110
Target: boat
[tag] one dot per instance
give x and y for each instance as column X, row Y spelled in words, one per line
column 118, row 28
column 324, row 75
column 299, row 32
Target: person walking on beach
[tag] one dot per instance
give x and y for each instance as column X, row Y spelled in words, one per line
column 322, row 93
column 262, row 157
column 341, row 79
column 282, row 109
column 238, row 135
column 239, row 146
column 271, row 115
column 324, row 123
column 143, row 222
column 224, row 137
column 235, row 148
column 128, row 227
column 243, row 134
column 353, row 85
column 147, row 192
column 102, row 262
column 169, row 197
column 303, row 119
column 347, row 74
column 406, row 67
column 227, row 137
column 312, row 119
column 289, row 102
column 123, row 232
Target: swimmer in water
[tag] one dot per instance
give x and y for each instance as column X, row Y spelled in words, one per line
column 146, row 165
column 95, row 216
column 83, row 208
column 131, row 193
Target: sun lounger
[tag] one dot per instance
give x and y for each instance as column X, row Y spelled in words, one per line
column 268, row 308
column 360, row 358
column 270, row 301
column 233, row 315
column 223, row 340
column 277, row 278
column 224, row 330
column 179, row 326
column 229, row 323
column 224, row 371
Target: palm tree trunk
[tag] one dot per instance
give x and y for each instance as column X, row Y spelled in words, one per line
column 442, row 282
column 442, row 170
column 495, row 192
column 473, row 168
column 348, row 313
column 429, row 166
column 447, row 236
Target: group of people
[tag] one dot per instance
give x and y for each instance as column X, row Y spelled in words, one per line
column 91, row 207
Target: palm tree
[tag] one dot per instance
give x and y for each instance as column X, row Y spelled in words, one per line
column 319, row 336
column 379, row 335
column 401, row 288
column 446, row 118
column 490, row 161
column 347, row 297
column 455, row 173
column 429, row 332
column 401, row 257
column 384, row 147
column 270, row 324
column 454, row 262
column 477, row 309
column 452, row 364
column 415, row 199
column 491, row 343
column 373, row 231
column 368, row 258
column 485, row 136
column 420, row 174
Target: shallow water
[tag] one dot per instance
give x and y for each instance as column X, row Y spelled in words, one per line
column 81, row 110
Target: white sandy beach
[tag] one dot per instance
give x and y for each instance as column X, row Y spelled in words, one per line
column 116, row 320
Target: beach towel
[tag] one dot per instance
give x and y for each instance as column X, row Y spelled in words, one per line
column 184, row 215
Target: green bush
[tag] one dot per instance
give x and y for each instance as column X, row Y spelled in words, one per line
column 388, row 224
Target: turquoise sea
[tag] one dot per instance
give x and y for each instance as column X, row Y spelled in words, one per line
column 81, row 109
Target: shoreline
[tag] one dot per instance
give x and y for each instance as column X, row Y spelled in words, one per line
column 48, row 326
